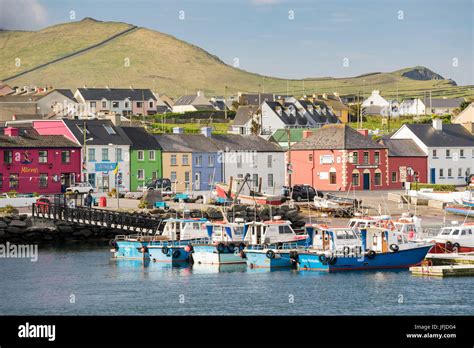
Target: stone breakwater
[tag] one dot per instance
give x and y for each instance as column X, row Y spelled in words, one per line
column 21, row 229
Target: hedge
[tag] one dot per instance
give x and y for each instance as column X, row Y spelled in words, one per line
column 435, row 187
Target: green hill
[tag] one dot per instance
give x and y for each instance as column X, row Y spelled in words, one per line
column 147, row 58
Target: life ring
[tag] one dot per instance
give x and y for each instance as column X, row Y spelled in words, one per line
column 270, row 254
column 346, row 250
column 394, row 247
column 280, row 245
column 221, row 247
column 332, row 260
column 231, row 247
column 176, row 253
column 371, row 254
column 165, row 250
column 456, row 247
column 448, row 245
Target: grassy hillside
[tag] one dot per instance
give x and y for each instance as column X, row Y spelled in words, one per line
column 168, row 65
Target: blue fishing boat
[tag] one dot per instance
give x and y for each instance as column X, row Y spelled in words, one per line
column 270, row 244
column 172, row 245
column 341, row 249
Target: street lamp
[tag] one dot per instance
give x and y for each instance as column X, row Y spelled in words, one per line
column 116, row 174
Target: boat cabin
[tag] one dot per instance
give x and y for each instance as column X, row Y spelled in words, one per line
column 226, row 231
column 338, row 238
column 367, row 221
column 185, row 229
column 457, row 233
column 270, row 232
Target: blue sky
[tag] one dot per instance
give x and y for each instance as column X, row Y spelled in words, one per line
column 373, row 35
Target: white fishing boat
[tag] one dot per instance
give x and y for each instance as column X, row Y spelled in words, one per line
column 457, row 238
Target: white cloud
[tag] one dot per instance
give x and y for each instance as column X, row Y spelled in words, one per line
column 22, row 14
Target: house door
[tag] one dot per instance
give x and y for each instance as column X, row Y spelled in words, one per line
column 366, row 181
column 433, row 176
column 197, row 181
column 105, row 183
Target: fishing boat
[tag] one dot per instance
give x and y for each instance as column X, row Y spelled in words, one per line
column 454, row 239
column 224, row 244
column 250, row 198
column 172, row 245
column 460, row 210
column 343, row 249
column 270, row 244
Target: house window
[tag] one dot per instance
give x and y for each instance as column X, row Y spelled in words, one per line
column 211, row 179
column 92, row 104
column 310, row 157
column 448, row 153
column 173, row 176
column 355, row 179
column 394, row 176
column 459, row 172
column 150, row 105
column 211, row 161
column 115, row 104
column 198, row 161
column 139, row 104
column 332, row 178
column 151, row 155
column 109, row 129
column 377, row 157
column 13, row 181
column 326, row 159
column 435, row 153
column 269, row 161
column 239, row 161
column 141, row 174
column 366, row 157
column 173, row 160
column 126, row 104
column 186, row 180
column 91, row 155
column 450, row 172
column 140, row 155
column 43, row 156
column 105, row 154
column 270, row 180
column 355, row 157
column 255, row 180
column 43, row 180
column 378, row 179
column 8, row 156
column 461, row 153
column 185, row 160
column 154, row 175
column 119, row 154
column 104, row 104
column 66, row 156
column 441, row 172
column 240, row 176
column 91, row 179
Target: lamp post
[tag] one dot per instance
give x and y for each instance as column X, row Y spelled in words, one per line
column 116, row 175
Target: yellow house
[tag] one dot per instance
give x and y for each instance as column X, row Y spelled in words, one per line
column 177, row 166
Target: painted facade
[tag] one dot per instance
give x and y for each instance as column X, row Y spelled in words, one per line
column 206, row 169
column 145, row 165
column 177, row 166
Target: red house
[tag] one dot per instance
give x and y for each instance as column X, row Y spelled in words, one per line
column 30, row 162
column 339, row 158
column 407, row 162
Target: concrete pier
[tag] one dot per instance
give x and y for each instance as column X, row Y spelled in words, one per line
column 443, row 271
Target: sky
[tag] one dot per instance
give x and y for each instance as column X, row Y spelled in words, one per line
column 290, row 38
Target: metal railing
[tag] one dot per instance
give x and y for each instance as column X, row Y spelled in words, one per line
column 96, row 217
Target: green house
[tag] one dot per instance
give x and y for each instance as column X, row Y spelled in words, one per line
column 145, row 157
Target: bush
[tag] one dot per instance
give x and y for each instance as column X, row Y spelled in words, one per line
column 8, row 210
column 435, row 187
column 142, row 204
column 112, row 193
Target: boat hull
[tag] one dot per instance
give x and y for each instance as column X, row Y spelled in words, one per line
column 441, row 248
column 259, row 259
column 149, row 251
column 130, row 250
column 171, row 253
column 309, row 261
column 209, row 255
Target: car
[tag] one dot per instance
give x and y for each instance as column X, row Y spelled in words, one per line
column 159, row 184
column 305, row 193
column 81, row 187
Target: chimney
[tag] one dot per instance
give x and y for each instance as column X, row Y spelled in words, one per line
column 438, row 124
column 116, row 119
column 178, row 130
column 364, row 132
column 200, row 94
column 307, row 133
column 11, row 131
column 206, row 131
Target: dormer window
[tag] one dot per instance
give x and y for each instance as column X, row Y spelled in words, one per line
column 115, row 104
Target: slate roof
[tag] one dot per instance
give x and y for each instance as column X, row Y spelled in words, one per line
column 252, row 99
column 402, row 148
column 337, row 137
column 141, row 139
column 236, row 142
column 450, row 135
column 244, row 114
column 67, row 93
column 185, row 100
column 444, row 103
column 116, row 94
column 98, row 132
column 186, row 143
column 28, row 137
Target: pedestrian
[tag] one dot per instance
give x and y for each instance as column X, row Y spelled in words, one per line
column 89, row 200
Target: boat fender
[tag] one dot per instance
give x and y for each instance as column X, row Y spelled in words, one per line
column 293, row 255
column 164, row 250
column 332, row 260
column 112, row 243
column 220, row 247
column 176, row 253
column 456, row 247
column 270, row 254
column 394, row 247
column 323, row 259
column 346, row 250
column 280, row 245
column 144, row 249
column 371, row 254
column 231, row 247
column 242, row 254
column 188, row 248
column 241, row 246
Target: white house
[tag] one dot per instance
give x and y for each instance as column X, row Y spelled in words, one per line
column 194, row 102
column 242, row 123
column 411, row 107
column 449, row 147
column 375, row 99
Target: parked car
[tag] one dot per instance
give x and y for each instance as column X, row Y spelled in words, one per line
column 81, row 187
column 305, row 193
column 159, row 184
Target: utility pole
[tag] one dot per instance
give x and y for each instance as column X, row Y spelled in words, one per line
column 225, row 102
column 84, row 163
column 289, row 166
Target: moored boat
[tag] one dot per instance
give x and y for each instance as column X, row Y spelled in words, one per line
column 454, row 239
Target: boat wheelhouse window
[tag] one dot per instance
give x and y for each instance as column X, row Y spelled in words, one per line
column 352, row 223
column 238, row 231
column 463, row 233
column 455, row 232
column 285, row 229
column 196, row 226
column 446, row 231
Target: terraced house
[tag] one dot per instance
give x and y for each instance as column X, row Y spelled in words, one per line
column 145, row 157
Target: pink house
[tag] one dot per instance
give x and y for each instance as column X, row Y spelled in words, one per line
column 31, row 162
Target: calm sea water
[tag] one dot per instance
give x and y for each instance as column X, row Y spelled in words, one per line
column 99, row 285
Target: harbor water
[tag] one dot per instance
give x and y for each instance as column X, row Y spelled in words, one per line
column 87, row 281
